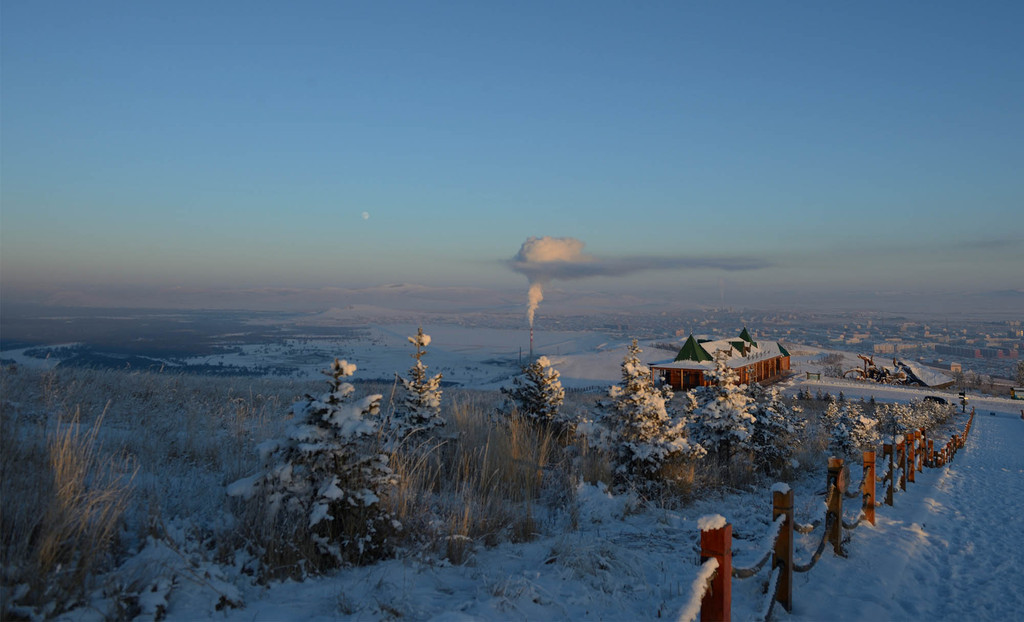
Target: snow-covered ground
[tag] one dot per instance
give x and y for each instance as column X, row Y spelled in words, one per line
column 947, row 550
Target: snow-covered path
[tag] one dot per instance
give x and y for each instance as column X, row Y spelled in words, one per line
column 949, row 549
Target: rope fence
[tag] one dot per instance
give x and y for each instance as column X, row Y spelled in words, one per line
column 712, row 589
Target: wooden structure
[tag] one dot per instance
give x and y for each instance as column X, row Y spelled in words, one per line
column 752, row 362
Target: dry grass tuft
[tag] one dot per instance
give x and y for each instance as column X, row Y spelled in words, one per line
column 58, row 537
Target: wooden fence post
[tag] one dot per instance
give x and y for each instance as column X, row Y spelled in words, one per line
column 782, row 504
column 717, row 543
column 911, row 462
column 887, row 451
column 868, row 491
column 836, row 487
column 931, row 453
column 901, row 459
column 921, row 436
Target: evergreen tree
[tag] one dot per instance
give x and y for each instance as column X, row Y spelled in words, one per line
column 775, row 431
column 852, row 431
column 421, row 407
column 724, row 419
column 323, row 482
column 537, row 393
column 637, row 429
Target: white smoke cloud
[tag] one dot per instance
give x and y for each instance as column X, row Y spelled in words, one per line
column 544, row 259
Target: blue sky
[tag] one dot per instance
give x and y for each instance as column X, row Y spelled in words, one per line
column 845, row 146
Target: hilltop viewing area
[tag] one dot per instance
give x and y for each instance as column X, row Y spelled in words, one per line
column 526, row 312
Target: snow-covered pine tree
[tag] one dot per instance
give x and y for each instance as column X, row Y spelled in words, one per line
column 421, row 407
column 723, row 419
column 537, row 393
column 852, row 431
column 636, row 428
column 324, row 481
column 894, row 418
column 774, row 434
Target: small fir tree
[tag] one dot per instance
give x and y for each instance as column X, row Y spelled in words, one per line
column 775, row 431
column 724, row 419
column 852, row 431
column 421, row 407
column 637, row 429
column 537, row 393
column 323, row 482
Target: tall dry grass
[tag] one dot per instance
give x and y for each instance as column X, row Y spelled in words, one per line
column 75, row 442
column 482, row 477
column 71, row 498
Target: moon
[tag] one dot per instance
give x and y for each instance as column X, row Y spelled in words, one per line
column 366, row 215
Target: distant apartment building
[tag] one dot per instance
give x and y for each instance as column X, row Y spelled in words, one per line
column 891, row 347
column 977, row 352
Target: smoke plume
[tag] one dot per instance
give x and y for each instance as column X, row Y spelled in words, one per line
column 542, row 260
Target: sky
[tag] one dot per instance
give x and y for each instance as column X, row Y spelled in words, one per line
column 832, row 148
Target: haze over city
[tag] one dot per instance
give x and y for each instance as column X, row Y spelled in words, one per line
column 280, row 155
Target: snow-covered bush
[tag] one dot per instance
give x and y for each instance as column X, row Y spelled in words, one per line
column 421, row 407
column 537, row 393
column 895, row 418
column 723, row 418
column 322, row 484
column 775, row 431
column 899, row 418
column 852, row 431
column 637, row 429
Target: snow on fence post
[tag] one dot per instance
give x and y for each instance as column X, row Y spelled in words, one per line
column 911, row 456
column 868, row 489
column 931, row 453
column 887, row 451
column 782, row 504
column 836, row 486
column 716, row 542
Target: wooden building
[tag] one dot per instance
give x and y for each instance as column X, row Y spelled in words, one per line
column 753, row 362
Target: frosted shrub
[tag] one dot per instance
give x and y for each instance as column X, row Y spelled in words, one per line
column 933, row 413
column 322, row 483
column 852, row 431
column 421, row 407
column 898, row 418
column 537, row 394
column 635, row 427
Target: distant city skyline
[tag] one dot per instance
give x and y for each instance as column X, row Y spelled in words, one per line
column 213, row 154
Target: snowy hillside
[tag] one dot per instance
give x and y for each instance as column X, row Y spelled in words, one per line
column 939, row 553
column 572, row 551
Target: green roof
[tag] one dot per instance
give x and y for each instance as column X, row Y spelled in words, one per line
column 692, row 351
column 783, row 350
column 745, row 336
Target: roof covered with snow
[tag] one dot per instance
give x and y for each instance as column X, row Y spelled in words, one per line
column 739, row 351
